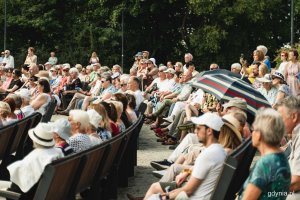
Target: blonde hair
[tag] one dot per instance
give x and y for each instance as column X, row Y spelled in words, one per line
column 105, row 119
column 264, row 68
column 228, row 138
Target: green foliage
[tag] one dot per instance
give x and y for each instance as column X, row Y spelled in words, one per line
column 213, row 30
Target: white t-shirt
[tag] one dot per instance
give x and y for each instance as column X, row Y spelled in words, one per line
column 208, row 167
column 163, row 85
column 282, row 67
column 138, row 98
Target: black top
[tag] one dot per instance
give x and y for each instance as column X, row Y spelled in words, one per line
column 74, row 85
column 17, row 82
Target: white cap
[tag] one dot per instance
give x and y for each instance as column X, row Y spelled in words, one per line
column 266, row 79
column 212, row 120
column 62, row 128
column 24, row 93
column 153, row 61
column 162, row 68
column 95, row 117
column 170, row 70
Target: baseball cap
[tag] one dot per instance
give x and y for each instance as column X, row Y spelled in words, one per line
column 162, row 68
column 211, row 120
column 236, row 102
column 266, row 79
column 170, row 70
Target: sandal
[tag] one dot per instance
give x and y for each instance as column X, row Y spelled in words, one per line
column 170, row 141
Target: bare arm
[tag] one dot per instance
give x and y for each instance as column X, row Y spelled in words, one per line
column 38, row 101
column 295, row 184
column 189, row 188
column 252, row 192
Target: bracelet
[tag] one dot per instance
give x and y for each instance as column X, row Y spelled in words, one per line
column 188, row 171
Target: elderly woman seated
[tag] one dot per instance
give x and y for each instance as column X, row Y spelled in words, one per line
column 79, row 121
column 272, row 171
column 25, row 174
column 72, row 85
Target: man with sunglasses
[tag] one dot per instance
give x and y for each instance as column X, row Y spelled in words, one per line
column 8, row 60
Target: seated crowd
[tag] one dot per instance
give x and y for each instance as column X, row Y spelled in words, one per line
column 101, row 103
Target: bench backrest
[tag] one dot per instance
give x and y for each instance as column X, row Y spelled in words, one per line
column 142, row 108
column 114, row 145
column 235, row 171
column 94, row 157
column 7, row 134
column 22, row 130
column 59, row 178
column 49, row 111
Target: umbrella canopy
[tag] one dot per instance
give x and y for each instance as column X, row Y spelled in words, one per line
column 225, row 87
column 226, row 72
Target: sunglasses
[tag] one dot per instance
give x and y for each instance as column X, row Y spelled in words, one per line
column 65, row 70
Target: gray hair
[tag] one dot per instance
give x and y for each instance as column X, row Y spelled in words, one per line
column 262, row 48
column 125, row 78
column 82, row 117
column 271, row 126
column 238, row 66
column 292, row 104
column 74, row 70
column 190, row 55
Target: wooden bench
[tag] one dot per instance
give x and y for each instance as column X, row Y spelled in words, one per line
column 235, row 171
column 58, row 180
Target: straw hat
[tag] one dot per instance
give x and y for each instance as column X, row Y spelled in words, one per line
column 43, row 73
column 231, row 122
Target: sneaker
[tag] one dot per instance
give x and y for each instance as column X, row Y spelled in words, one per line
column 160, row 165
column 159, row 174
column 169, row 119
